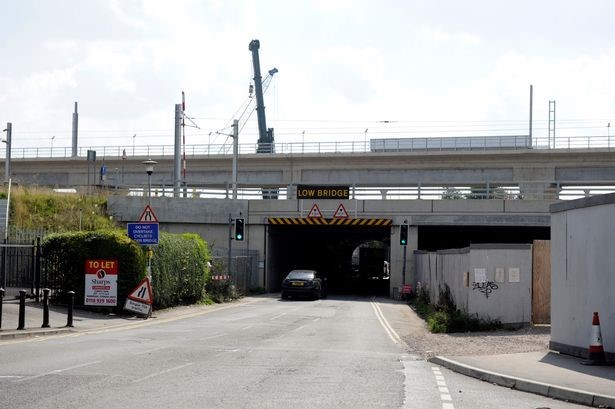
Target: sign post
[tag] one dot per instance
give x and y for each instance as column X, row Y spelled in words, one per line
column 145, row 232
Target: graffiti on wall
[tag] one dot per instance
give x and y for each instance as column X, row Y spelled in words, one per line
column 485, row 287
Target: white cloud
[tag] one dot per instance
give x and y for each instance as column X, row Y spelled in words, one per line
column 338, row 60
column 441, row 37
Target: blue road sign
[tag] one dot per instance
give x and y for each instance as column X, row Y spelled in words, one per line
column 143, row 233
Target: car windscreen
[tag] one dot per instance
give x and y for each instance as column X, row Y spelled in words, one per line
column 300, row 275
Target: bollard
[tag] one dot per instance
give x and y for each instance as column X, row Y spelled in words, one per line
column 1, row 301
column 71, row 304
column 22, row 309
column 45, row 308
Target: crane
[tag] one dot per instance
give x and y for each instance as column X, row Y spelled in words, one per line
column 265, row 136
column 248, row 107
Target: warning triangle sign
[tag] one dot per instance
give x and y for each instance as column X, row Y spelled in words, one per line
column 340, row 212
column 315, row 211
column 148, row 215
column 142, row 292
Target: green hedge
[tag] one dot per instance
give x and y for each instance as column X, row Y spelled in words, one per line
column 65, row 255
column 179, row 264
column 179, row 269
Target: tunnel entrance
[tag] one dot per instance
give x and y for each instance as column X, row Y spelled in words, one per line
column 334, row 250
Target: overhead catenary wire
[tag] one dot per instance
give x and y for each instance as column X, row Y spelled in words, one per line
column 322, row 129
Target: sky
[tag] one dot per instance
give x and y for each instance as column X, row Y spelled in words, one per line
column 348, row 70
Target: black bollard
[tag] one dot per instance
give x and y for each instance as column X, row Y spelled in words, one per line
column 71, row 304
column 22, row 309
column 45, row 308
column 1, row 301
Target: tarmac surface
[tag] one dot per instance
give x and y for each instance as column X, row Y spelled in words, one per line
column 546, row 373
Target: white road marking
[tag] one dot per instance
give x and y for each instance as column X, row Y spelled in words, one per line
column 445, row 395
column 385, row 324
column 57, row 371
column 10, row 376
column 149, row 351
column 175, row 368
column 277, row 316
column 212, row 337
column 247, row 328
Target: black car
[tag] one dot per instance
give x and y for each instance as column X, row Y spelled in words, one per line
column 304, row 283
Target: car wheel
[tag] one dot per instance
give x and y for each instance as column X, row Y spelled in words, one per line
column 284, row 296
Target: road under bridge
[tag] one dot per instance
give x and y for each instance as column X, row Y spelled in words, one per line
column 279, row 236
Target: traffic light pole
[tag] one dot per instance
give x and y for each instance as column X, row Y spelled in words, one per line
column 230, row 241
column 403, row 269
column 403, row 241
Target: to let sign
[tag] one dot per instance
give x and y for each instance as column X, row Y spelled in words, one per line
column 101, row 283
column 322, row 192
column 143, row 233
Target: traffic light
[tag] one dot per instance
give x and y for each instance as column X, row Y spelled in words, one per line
column 239, row 224
column 403, row 234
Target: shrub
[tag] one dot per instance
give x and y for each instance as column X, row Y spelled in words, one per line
column 220, row 291
column 445, row 317
column 179, row 269
column 65, row 255
column 438, row 322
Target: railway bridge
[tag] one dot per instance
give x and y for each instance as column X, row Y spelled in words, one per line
column 449, row 197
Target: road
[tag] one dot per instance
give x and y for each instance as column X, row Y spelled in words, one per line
column 340, row 352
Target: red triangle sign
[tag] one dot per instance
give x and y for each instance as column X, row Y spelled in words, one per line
column 148, row 215
column 315, row 211
column 142, row 292
column 341, row 212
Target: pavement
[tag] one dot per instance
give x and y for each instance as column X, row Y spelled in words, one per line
column 545, row 373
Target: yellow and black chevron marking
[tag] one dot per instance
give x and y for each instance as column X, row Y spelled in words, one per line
column 320, row 221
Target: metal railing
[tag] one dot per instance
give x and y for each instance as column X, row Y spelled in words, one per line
column 528, row 190
column 474, row 143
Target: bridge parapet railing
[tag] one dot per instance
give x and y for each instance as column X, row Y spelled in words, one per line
column 374, row 145
column 528, row 190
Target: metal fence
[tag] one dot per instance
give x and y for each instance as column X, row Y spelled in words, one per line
column 20, row 268
column 243, row 271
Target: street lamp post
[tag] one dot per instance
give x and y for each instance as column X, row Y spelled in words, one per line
column 149, row 168
column 124, row 157
column 7, row 162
